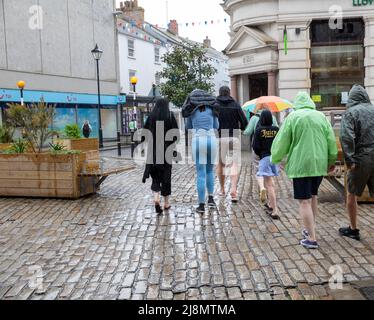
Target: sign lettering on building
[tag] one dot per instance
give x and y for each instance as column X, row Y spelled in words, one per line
column 249, row 59
column 359, row 3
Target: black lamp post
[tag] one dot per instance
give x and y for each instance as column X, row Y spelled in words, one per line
column 97, row 53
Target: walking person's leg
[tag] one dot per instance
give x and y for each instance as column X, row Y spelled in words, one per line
column 221, row 166
column 156, row 188
column 305, row 189
column 199, row 150
column 307, row 216
column 166, row 186
column 210, row 176
column 352, row 208
column 260, row 180
column 221, row 177
column 235, row 168
column 269, row 184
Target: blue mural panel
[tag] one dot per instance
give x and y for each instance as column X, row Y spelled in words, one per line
column 91, row 115
column 63, row 116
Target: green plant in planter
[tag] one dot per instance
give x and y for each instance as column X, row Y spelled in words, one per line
column 35, row 121
column 72, row 131
column 6, row 134
column 57, row 147
column 18, row 147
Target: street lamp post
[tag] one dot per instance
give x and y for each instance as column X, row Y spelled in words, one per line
column 97, row 53
column 134, row 81
column 21, row 85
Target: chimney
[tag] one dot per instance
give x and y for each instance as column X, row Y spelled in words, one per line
column 173, row 27
column 207, row 43
column 132, row 11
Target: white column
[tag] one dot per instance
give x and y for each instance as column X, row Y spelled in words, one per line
column 294, row 68
column 369, row 56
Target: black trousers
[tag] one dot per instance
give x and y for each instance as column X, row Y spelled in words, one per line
column 161, row 179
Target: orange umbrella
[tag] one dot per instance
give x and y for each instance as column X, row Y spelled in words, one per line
column 273, row 103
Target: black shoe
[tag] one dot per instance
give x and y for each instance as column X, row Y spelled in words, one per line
column 348, row 232
column 201, row 208
column 158, row 209
column 211, row 202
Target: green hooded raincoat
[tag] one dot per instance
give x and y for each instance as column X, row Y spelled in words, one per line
column 357, row 129
column 307, row 139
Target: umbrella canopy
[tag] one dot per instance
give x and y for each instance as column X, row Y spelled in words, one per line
column 274, row 104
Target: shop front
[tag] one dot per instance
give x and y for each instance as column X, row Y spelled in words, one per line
column 72, row 108
column 283, row 47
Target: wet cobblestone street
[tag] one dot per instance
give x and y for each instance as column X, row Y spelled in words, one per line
column 113, row 245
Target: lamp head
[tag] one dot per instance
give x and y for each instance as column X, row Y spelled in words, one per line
column 21, row 84
column 134, row 80
column 97, row 53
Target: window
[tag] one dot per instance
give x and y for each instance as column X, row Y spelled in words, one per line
column 337, row 58
column 132, row 73
column 157, row 79
column 131, row 48
column 157, row 55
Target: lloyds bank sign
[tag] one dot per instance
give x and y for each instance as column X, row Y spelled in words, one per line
column 360, row 3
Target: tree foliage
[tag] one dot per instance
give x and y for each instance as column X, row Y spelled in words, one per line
column 187, row 68
column 34, row 121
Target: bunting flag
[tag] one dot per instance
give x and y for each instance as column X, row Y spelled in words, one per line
column 285, row 39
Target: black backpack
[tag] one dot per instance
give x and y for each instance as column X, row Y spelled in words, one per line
column 86, row 130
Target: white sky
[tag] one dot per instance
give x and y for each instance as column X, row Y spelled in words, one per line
column 188, row 11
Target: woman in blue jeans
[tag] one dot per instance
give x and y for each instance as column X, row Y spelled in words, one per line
column 200, row 110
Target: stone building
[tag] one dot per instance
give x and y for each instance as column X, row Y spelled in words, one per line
column 48, row 43
column 330, row 48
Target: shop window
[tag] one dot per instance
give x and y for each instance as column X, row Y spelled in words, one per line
column 337, row 58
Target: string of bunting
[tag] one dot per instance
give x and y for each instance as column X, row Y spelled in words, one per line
column 130, row 27
column 203, row 23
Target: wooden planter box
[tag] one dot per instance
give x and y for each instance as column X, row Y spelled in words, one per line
column 4, row 146
column 46, row 175
column 81, row 144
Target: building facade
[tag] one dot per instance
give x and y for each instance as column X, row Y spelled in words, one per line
column 141, row 49
column 140, row 55
column 280, row 47
column 48, row 43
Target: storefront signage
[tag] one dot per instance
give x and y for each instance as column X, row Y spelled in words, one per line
column 317, row 98
column 359, row 3
column 11, row 95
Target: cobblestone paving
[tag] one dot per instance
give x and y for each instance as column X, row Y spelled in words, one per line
column 113, row 246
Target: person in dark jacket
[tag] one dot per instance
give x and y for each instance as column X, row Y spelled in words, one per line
column 357, row 137
column 159, row 159
column 262, row 143
column 232, row 120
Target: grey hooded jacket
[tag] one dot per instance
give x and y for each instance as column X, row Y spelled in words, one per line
column 357, row 129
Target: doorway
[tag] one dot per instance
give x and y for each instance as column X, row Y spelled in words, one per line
column 258, row 85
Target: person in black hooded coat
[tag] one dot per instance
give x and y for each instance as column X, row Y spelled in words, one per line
column 159, row 159
column 232, row 120
column 262, row 143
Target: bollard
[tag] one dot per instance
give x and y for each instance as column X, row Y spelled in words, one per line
column 132, row 143
column 119, row 143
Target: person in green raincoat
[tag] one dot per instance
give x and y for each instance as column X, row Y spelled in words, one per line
column 250, row 131
column 308, row 141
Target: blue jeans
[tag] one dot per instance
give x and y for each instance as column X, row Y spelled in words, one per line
column 204, row 151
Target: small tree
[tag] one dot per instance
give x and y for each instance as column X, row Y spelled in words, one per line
column 72, row 131
column 6, row 134
column 34, row 121
column 187, row 68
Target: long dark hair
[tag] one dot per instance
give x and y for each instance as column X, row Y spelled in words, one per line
column 161, row 111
